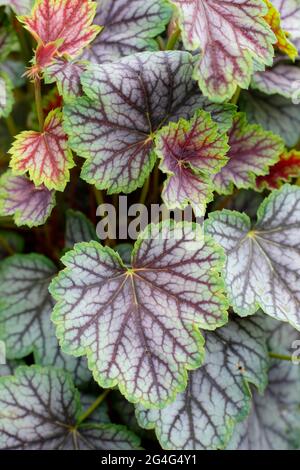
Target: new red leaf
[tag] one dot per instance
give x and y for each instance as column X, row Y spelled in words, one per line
column 288, row 167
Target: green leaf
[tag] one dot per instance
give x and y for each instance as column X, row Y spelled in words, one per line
column 138, row 326
column 263, row 262
column 40, row 410
column 25, row 309
column 6, row 95
column 78, row 229
column 218, row 394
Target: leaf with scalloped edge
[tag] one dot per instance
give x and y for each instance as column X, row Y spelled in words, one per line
column 128, row 28
column 9, row 368
column 218, row 394
column 290, row 18
column 8, row 42
column 67, row 24
column 263, row 262
column 274, row 20
column 279, row 80
column 274, row 421
column 274, row 113
column 28, row 204
column 45, row 155
column 21, row 7
column 230, row 34
column 283, row 171
column 252, row 150
column 25, row 311
column 190, row 152
column 40, row 410
column 78, row 229
column 67, row 75
column 6, row 95
column 139, row 325
column 114, row 129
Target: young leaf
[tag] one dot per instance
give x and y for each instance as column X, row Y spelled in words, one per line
column 19, row 197
column 217, row 396
column 25, row 310
column 67, row 75
column 274, row 113
column 40, row 408
column 190, row 152
column 21, row 7
column 114, row 130
column 68, row 23
column 251, row 152
column 283, row 171
column 139, row 325
column 277, row 80
column 45, row 155
column 78, row 229
column 290, row 18
column 263, row 263
column 231, row 34
column 6, row 95
column 274, row 422
column 283, row 43
column 128, row 27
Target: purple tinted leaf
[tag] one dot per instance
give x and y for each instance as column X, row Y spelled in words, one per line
column 67, row 76
column 28, row 204
column 128, row 28
column 191, row 152
column 139, row 325
column 280, row 80
column 230, row 34
column 252, row 151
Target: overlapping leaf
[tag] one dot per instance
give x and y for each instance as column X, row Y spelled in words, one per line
column 67, row 76
column 290, row 18
column 45, row 155
column 128, row 28
column 40, row 410
column 25, row 310
column 274, row 113
column 6, row 95
column 280, row 80
column 138, row 325
column 230, row 34
column 217, row 395
column 78, row 229
column 283, row 43
column 191, row 152
column 114, row 129
column 283, row 171
column 21, row 7
column 8, row 41
column 252, row 150
column 28, row 204
column 64, row 24
column 263, row 262
column 274, row 422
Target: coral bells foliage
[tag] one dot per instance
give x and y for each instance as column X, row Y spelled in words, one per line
column 186, row 326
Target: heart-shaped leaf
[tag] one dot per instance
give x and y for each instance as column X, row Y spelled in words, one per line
column 78, row 229
column 25, row 310
column 128, row 28
column 6, row 95
column 283, row 171
column 115, row 130
column 21, row 7
column 279, row 80
column 274, row 422
column 263, row 262
column 45, row 155
column 251, row 152
column 67, row 75
column 28, row 204
column 274, row 113
column 73, row 25
column 191, row 152
column 230, row 33
column 217, row 396
column 290, row 18
column 40, row 410
column 139, row 325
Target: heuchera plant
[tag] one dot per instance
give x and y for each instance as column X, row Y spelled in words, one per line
column 186, row 336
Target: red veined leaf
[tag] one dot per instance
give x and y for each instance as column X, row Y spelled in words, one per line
column 288, row 167
column 45, row 155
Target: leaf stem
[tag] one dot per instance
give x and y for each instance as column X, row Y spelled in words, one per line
column 38, row 102
column 172, row 41
column 236, row 96
column 11, row 126
column 99, row 196
column 283, row 357
column 93, row 407
column 6, row 246
column 145, row 191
